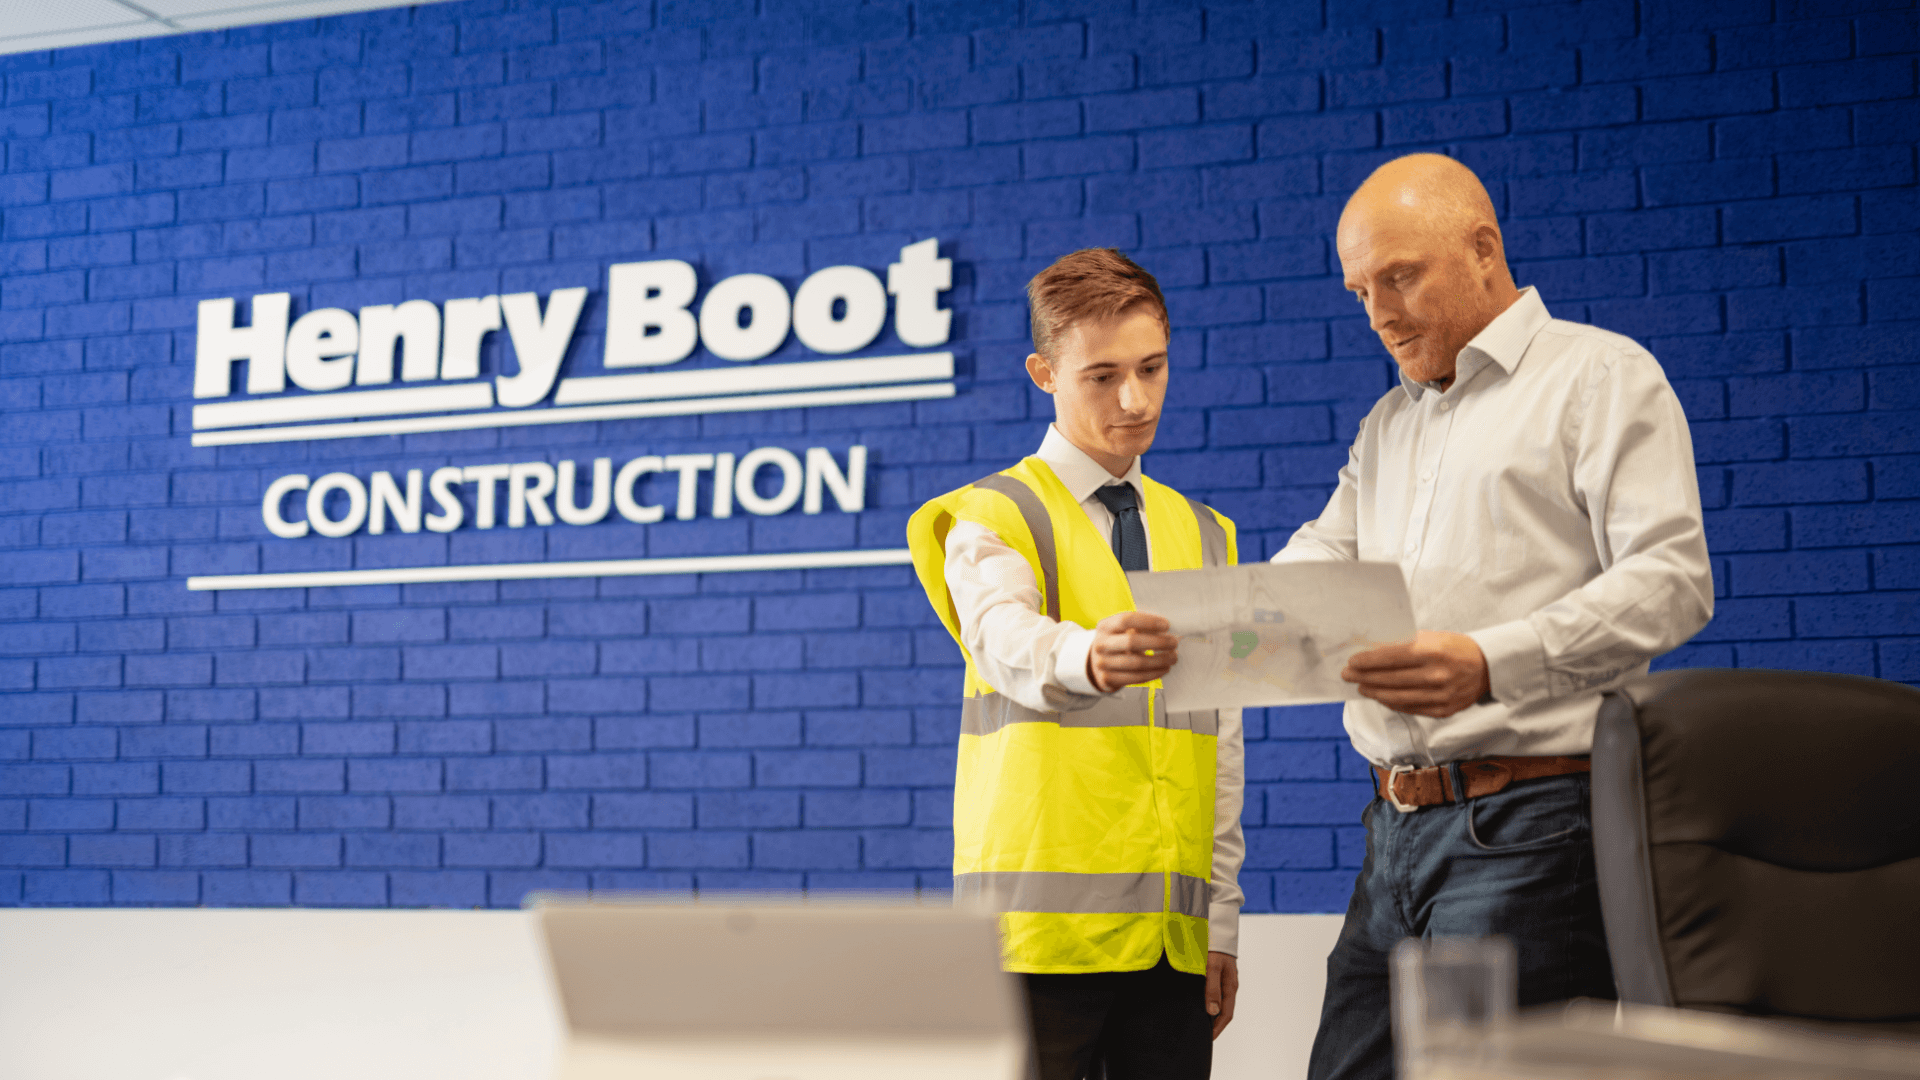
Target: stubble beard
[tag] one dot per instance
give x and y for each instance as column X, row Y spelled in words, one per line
column 1425, row 364
column 1435, row 354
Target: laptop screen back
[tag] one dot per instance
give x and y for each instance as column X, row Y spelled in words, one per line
column 778, row 971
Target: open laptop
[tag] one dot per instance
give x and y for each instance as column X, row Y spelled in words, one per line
column 741, row 990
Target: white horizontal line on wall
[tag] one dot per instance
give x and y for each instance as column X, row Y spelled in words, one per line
column 413, row 399
column 578, row 414
column 746, row 380
column 696, row 564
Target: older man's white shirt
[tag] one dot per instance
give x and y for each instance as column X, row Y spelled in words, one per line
column 1545, row 505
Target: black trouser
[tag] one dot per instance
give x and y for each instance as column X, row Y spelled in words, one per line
column 1144, row 1025
column 1518, row 862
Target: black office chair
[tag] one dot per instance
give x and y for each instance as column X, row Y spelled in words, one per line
column 1757, row 835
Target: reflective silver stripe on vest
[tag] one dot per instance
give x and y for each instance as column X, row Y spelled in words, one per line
column 988, row 713
column 1081, row 894
column 1039, row 524
column 1190, row 895
column 1213, row 538
column 1213, row 552
column 1201, row 722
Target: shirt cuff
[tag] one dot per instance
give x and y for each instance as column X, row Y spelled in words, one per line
column 1516, row 661
column 1223, row 928
column 1070, row 663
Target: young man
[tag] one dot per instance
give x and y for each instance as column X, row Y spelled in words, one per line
column 1105, row 829
column 1534, row 480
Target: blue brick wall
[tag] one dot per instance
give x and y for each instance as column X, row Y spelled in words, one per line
column 1732, row 183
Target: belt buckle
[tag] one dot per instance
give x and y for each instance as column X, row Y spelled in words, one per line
column 1393, row 797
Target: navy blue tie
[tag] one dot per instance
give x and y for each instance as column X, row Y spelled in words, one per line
column 1129, row 532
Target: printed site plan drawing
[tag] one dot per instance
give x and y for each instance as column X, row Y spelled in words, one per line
column 1266, row 634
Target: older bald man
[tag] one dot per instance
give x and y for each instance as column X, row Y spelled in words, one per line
column 1534, row 480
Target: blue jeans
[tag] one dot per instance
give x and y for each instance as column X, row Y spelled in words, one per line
column 1518, row 862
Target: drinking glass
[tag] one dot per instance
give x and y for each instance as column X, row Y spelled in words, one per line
column 1453, row 999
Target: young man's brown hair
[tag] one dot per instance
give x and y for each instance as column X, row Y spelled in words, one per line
column 1096, row 283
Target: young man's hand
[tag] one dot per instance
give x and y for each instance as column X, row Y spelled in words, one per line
column 1130, row 647
column 1223, row 985
column 1436, row 674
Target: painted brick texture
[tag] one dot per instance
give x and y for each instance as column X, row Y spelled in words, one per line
column 1732, row 184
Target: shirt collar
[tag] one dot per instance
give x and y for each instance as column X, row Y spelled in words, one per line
column 1503, row 342
column 1081, row 474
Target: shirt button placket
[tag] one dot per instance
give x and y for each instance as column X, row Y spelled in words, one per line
column 1431, row 448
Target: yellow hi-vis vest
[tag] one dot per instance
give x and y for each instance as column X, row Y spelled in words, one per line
column 1091, row 831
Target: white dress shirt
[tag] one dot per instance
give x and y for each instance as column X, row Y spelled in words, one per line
column 1544, row 505
column 1042, row 663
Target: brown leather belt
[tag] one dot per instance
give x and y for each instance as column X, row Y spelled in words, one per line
column 1408, row 788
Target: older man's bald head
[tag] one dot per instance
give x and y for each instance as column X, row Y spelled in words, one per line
column 1428, row 191
column 1421, row 248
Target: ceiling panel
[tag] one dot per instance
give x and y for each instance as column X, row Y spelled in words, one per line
column 28, row 25
column 213, row 14
column 25, row 18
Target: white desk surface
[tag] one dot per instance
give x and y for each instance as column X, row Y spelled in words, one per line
column 190, row 994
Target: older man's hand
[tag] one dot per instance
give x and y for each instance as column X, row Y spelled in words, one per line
column 1436, row 674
